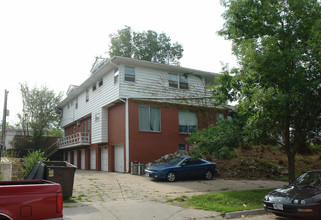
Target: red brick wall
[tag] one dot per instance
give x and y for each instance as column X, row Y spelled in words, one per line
column 116, row 132
column 148, row 146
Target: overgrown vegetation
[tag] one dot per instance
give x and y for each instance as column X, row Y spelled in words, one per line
column 31, row 159
column 226, row 201
column 218, row 141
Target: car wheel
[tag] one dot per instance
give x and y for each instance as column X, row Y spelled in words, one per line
column 208, row 175
column 171, row 177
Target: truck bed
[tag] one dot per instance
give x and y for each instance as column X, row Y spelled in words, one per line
column 30, row 199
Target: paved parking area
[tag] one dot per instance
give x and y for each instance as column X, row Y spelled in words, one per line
column 102, row 195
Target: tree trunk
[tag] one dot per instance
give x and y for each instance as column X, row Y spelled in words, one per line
column 290, row 152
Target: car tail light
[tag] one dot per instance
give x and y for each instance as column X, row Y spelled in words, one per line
column 59, row 203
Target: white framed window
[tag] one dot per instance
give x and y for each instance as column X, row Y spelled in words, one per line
column 188, row 122
column 129, row 74
column 94, row 87
column 76, row 105
column 173, row 80
column 178, row 81
column 149, row 118
column 116, row 73
column 100, row 83
column 87, row 95
column 183, row 81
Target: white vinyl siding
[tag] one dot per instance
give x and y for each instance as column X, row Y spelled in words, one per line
column 100, row 98
column 154, row 83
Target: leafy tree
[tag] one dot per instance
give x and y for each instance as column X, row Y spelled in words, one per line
column 147, row 45
column 277, row 86
column 39, row 113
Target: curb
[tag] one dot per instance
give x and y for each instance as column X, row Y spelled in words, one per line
column 239, row 214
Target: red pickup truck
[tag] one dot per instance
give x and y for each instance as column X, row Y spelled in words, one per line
column 30, row 200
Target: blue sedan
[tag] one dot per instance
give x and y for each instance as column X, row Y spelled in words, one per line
column 182, row 167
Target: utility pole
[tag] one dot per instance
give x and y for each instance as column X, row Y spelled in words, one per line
column 3, row 136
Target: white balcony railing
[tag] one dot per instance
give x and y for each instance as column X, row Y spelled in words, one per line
column 77, row 139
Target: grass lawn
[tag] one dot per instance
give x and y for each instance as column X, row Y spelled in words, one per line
column 227, row 201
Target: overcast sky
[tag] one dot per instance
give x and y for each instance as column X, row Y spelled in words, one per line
column 54, row 43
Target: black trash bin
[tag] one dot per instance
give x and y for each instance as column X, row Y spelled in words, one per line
column 60, row 172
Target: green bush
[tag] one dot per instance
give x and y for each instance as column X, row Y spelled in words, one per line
column 218, row 141
column 31, row 159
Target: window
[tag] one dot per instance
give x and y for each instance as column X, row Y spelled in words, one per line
column 100, row 83
column 76, row 105
column 87, row 95
column 183, row 82
column 149, row 118
column 219, row 116
column 178, row 81
column 187, row 121
column 94, row 87
column 116, row 73
column 173, row 80
column 87, row 127
column 182, row 147
column 129, row 74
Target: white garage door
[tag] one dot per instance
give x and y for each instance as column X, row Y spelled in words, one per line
column 75, row 158
column 93, row 159
column 104, row 159
column 83, row 159
column 119, row 158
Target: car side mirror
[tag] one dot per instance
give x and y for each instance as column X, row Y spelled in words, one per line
column 184, row 164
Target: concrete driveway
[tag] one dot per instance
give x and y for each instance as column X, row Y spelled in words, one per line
column 102, row 195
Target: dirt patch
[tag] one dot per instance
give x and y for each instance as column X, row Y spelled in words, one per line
column 265, row 162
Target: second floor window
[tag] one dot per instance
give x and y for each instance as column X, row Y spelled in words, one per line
column 76, row 106
column 129, row 74
column 187, row 121
column 116, row 73
column 87, row 95
column 149, row 118
column 100, row 83
column 177, row 81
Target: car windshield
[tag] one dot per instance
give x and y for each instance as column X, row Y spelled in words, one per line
column 308, row 179
column 175, row 160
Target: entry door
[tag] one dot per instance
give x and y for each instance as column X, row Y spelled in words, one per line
column 104, row 159
column 83, row 162
column 75, row 158
column 119, row 158
column 93, row 159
